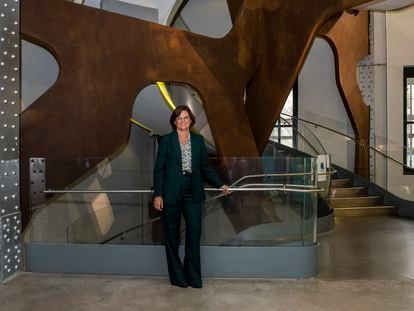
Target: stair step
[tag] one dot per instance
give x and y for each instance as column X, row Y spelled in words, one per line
column 359, row 201
column 348, row 192
column 341, row 183
column 382, row 210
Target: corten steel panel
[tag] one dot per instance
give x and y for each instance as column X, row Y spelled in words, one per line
column 349, row 38
column 287, row 32
column 105, row 60
column 234, row 6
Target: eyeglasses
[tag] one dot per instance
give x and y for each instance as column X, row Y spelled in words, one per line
column 182, row 119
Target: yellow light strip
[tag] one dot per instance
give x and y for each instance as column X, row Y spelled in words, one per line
column 141, row 125
column 168, row 100
column 170, row 103
column 166, row 95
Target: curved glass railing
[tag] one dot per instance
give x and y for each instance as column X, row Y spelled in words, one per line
column 386, row 168
column 306, row 143
column 273, row 202
column 305, row 140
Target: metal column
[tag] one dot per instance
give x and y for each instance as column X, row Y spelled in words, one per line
column 10, row 217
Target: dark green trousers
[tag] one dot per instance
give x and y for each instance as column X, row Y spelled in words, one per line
column 189, row 272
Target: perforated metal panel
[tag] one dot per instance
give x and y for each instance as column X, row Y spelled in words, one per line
column 366, row 84
column 10, row 220
column 37, row 181
column 10, row 244
column 366, row 79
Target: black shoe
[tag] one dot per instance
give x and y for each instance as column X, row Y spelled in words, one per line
column 183, row 285
column 196, row 285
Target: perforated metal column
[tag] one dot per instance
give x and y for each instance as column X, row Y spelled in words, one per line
column 10, row 220
column 366, row 84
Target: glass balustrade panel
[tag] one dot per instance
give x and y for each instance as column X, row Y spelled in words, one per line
column 101, row 204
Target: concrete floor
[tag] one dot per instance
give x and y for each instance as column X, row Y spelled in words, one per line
column 366, row 264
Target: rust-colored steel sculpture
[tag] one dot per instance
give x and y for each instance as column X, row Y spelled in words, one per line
column 347, row 34
column 234, row 7
column 348, row 37
column 105, row 60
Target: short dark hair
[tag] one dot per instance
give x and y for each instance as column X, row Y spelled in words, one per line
column 176, row 113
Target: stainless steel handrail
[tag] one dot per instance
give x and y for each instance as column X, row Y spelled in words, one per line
column 281, row 188
column 269, row 175
column 319, row 125
column 50, row 191
column 331, row 172
column 351, row 138
column 295, row 186
column 304, row 138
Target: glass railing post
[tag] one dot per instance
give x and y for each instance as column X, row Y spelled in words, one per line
column 314, row 197
column 304, row 196
column 142, row 218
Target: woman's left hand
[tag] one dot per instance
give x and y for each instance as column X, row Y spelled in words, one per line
column 225, row 189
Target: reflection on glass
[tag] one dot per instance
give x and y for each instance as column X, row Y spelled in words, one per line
column 410, row 145
column 282, row 132
column 268, row 218
column 410, row 122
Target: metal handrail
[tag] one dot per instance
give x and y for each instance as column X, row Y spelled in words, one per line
column 303, row 137
column 281, row 188
column 318, row 125
column 294, row 186
column 331, row 172
column 269, row 175
column 316, row 138
column 351, row 138
column 131, row 229
column 50, row 191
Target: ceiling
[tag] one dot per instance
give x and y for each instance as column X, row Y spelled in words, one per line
column 386, row 5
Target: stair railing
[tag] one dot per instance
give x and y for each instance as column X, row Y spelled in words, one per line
column 386, row 167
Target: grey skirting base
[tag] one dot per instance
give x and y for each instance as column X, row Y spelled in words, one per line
column 217, row 261
column 326, row 223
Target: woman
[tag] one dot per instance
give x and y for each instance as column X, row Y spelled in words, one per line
column 178, row 189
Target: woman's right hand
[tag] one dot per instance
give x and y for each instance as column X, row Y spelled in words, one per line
column 158, row 203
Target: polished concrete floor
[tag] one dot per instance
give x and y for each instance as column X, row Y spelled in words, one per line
column 365, row 264
column 368, row 248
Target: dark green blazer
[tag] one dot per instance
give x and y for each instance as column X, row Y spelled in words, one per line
column 168, row 168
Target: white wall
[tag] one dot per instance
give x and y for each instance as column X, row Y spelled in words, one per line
column 39, row 71
column 400, row 53
column 163, row 7
column 379, row 104
column 93, row 3
column 131, row 9
column 210, row 18
column 320, row 102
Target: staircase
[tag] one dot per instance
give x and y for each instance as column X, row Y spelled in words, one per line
column 348, row 200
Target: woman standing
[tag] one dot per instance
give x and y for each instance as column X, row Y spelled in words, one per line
column 179, row 171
